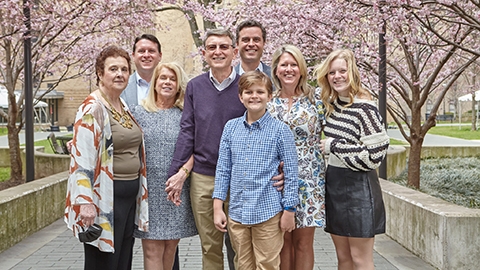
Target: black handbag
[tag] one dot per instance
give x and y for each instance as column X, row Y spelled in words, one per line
column 92, row 233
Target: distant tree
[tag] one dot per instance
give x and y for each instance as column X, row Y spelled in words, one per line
column 472, row 86
column 190, row 9
column 422, row 65
column 456, row 16
column 67, row 36
column 429, row 45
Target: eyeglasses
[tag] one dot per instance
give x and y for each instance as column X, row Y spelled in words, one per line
column 213, row 47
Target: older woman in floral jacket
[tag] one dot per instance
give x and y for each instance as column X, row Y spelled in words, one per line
column 114, row 197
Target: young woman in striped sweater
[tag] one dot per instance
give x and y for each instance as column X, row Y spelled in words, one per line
column 356, row 142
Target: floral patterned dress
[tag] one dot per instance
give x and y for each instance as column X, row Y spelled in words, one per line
column 305, row 120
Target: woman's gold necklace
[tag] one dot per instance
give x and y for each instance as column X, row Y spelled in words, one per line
column 124, row 118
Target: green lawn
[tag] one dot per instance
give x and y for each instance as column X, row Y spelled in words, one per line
column 3, row 131
column 462, row 132
column 397, row 142
column 5, row 171
column 45, row 143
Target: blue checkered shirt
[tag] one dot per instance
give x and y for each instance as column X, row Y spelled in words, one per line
column 249, row 157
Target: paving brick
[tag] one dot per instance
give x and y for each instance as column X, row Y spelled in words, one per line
column 65, row 252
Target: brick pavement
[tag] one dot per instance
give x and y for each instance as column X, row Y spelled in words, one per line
column 54, row 247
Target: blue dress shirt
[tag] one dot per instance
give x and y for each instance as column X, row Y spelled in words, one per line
column 249, row 157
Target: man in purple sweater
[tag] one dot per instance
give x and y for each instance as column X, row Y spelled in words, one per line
column 211, row 99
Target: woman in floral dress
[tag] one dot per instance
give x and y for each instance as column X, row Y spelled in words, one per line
column 300, row 106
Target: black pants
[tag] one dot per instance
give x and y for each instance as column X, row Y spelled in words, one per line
column 125, row 193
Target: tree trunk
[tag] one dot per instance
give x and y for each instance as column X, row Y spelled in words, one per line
column 192, row 22
column 209, row 25
column 16, row 174
column 417, row 134
column 414, row 159
column 474, row 112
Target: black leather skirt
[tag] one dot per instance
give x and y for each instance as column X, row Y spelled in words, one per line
column 353, row 203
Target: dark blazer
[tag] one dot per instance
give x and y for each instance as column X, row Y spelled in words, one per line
column 130, row 95
column 266, row 69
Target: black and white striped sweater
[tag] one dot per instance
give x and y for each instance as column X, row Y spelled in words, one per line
column 356, row 135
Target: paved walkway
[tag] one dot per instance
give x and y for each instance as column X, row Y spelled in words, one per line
column 435, row 140
column 37, row 136
column 54, row 247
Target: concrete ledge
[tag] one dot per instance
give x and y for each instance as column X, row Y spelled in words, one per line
column 448, row 151
column 441, row 233
column 397, row 155
column 29, row 207
column 48, row 164
column 396, row 160
column 45, row 164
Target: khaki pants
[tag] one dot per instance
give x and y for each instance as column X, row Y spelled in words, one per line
column 201, row 190
column 257, row 246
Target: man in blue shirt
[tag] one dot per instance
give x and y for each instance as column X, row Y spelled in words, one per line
column 251, row 149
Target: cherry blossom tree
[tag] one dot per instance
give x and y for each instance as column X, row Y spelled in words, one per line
column 461, row 16
column 67, row 36
column 430, row 44
column 428, row 67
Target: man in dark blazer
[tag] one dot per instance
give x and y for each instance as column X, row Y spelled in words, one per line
column 147, row 53
column 250, row 38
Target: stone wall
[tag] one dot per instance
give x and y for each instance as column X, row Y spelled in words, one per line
column 441, row 233
column 48, row 164
column 396, row 160
column 45, row 164
column 4, row 157
column 29, row 207
column 448, row 151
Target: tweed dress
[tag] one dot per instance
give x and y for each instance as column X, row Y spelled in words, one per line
column 167, row 221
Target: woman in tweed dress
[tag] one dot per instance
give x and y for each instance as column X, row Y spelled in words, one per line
column 169, row 208
column 356, row 142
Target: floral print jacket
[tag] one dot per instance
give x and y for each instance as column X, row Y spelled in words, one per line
column 91, row 173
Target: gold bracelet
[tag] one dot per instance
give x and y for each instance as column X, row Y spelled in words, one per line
column 187, row 172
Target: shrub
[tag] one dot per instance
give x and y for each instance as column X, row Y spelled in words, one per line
column 456, row 180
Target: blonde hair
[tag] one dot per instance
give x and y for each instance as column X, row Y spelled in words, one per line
column 303, row 85
column 149, row 103
column 328, row 94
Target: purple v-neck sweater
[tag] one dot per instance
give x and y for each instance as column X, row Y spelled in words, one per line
column 205, row 113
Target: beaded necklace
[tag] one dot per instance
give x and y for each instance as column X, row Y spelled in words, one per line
column 123, row 119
